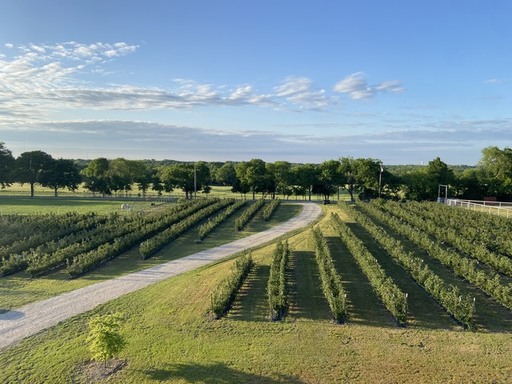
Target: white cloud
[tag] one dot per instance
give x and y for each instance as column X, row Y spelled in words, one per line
column 299, row 91
column 356, row 86
column 8, row 45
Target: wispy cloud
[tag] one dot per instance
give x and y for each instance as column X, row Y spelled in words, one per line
column 498, row 81
column 299, row 91
column 356, row 86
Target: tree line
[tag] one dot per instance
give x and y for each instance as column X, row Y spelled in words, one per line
column 360, row 177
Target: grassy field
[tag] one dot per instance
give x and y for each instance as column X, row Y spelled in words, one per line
column 171, row 338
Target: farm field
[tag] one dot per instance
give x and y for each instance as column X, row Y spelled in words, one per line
column 18, row 289
column 172, row 337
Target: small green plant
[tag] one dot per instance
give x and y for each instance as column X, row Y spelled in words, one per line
column 104, row 338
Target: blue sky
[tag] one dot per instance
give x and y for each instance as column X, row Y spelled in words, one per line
column 304, row 81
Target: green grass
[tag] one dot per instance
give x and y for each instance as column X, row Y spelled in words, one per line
column 172, row 339
column 42, row 205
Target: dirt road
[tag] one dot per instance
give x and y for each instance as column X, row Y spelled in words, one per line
column 32, row 318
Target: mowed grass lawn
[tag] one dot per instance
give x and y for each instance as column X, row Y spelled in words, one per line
column 171, row 338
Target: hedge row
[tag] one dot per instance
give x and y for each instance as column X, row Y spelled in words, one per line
column 270, row 208
column 248, row 214
column 331, row 280
column 461, row 307
column 392, row 297
column 152, row 245
column 224, row 294
column 277, row 284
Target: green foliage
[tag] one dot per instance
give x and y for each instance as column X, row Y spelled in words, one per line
column 489, row 282
column 206, row 228
column 223, row 295
column 277, row 282
column 392, row 297
column 155, row 243
column 331, row 280
column 461, row 307
column 248, row 214
column 104, row 338
column 270, row 208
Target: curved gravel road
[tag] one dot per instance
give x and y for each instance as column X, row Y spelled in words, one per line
column 32, row 318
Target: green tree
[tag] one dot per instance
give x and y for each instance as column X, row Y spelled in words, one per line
column 7, row 162
column 253, row 174
column 280, row 174
column 32, row 168
column 62, row 174
column 104, row 338
column 496, row 167
column 305, row 176
column 423, row 183
column 96, row 176
column 226, row 174
column 189, row 177
column 121, row 172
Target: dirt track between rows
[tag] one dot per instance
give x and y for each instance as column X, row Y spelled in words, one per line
column 32, row 318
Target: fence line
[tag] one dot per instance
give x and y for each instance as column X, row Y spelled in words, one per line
column 499, row 208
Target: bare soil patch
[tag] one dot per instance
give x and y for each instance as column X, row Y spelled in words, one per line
column 96, row 371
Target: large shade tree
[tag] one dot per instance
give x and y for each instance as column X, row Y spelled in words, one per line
column 190, row 177
column 496, row 167
column 33, row 168
column 63, row 173
column 253, row 174
column 97, row 177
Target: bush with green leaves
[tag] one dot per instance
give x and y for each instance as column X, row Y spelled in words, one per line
column 461, row 307
column 248, row 214
column 277, row 282
column 330, row 279
column 206, row 228
column 390, row 294
column 225, row 293
column 104, row 338
column 270, row 208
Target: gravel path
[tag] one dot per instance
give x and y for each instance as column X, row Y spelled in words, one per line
column 32, row 318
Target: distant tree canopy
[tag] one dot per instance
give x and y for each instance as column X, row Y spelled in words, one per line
column 360, row 177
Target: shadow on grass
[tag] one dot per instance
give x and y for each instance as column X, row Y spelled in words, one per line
column 251, row 303
column 213, row 374
column 308, row 301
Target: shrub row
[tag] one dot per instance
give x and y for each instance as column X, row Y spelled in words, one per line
column 277, row 284
column 480, row 228
column 114, row 247
column 224, row 294
column 248, row 214
column 452, row 234
column 461, row 307
column 57, row 228
column 115, row 227
column 152, row 245
column 270, row 208
column 392, row 297
column 330, row 279
column 491, row 283
column 206, row 228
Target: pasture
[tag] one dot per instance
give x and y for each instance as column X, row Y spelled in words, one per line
column 172, row 337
